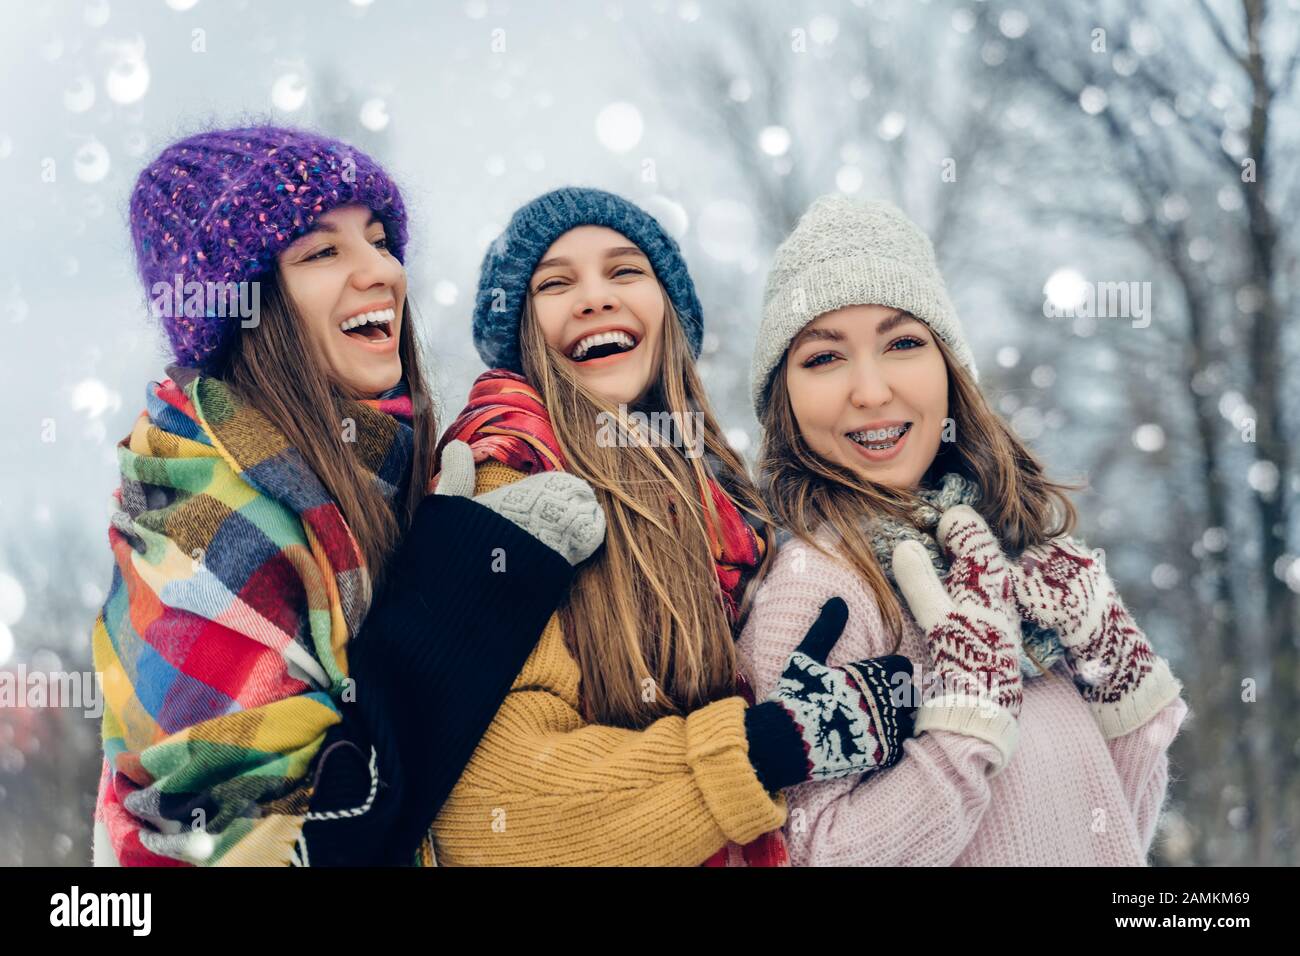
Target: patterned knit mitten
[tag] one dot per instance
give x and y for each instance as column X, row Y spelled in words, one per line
column 971, row 629
column 822, row 722
column 1063, row 585
column 558, row 509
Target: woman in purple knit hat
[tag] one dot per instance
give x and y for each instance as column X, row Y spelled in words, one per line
column 301, row 646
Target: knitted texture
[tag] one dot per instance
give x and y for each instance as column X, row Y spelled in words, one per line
column 505, row 422
column 221, row 206
column 847, row 720
column 886, row 533
column 558, row 509
column 222, row 641
column 546, row 788
column 1068, row 797
column 512, row 258
column 1039, row 645
column 504, row 419
column 846, row 252
column 1065, row 586
column 972, row 631
column 436, row 655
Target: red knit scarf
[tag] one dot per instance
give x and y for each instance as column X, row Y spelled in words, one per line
column 505, row 420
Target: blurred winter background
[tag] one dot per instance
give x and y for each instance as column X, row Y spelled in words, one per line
column 1044, row 146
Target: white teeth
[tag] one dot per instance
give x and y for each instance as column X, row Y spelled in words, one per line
column 378, row 317
column 601, row 338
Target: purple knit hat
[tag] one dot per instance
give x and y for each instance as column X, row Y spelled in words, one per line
column 220, row 206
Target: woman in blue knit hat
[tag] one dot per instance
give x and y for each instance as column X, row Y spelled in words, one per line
column 629, row 737
column 261, row 706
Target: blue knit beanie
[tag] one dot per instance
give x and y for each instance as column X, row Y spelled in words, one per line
column 513, row 257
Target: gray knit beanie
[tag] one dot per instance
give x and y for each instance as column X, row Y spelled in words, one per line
column 848, row 252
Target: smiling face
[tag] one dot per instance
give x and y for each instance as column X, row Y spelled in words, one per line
column 350, row 292
column 598, row 303
column 869, row 390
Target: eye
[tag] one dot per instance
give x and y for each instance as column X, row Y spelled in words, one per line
column 381, row 242
column 549, row 284
column 816, row 360
column 320, row 254
column 915, row 343
column 628, row 270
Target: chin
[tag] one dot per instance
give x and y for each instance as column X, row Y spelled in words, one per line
column 616, row 393
column 374, row 383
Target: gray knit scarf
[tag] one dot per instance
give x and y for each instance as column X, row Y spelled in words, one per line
column 1040, row 644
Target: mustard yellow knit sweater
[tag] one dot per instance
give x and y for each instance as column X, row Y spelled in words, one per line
column 545, row 788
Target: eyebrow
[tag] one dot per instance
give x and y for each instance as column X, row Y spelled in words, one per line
column 812, row 334
column 330, row 227
column 609, row 254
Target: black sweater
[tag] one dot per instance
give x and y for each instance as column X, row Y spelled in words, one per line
column 436, row 656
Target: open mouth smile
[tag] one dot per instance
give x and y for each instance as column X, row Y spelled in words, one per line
column 610, row 344
column 881, row 444
column 374, row 328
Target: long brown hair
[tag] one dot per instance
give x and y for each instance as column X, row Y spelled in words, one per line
column 275, row 368
column 645, row 619
column 803, row 491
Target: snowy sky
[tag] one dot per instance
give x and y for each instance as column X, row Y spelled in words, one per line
column 476, row 106
column 469, row 129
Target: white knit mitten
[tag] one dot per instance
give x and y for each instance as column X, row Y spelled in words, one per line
column 1064, row 586
column 558, row 509
column 971, row 630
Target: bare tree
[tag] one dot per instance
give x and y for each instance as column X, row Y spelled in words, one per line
column 850, row 96
column 1189, row 119
column 1148, row 135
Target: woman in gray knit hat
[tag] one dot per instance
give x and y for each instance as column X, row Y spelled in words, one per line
column 1045, row 716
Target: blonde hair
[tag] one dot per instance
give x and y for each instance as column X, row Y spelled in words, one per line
column 804, row 491
column 645, row 618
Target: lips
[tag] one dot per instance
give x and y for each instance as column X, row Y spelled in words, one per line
column 881, row 443
column 373, row 328
column 881, row 438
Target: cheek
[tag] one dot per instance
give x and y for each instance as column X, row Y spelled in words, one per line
column 935, row 386
column 648, row 306
column 923, row 385
column 315, row 297
column 814, row 405
column 926, row 393
column 550, row 316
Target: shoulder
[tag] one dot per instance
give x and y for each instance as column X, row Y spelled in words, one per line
column 814, row 559
column 806, row 573
column 491, row 474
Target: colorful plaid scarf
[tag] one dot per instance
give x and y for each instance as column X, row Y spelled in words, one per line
column 222, row 642
column 505, row 420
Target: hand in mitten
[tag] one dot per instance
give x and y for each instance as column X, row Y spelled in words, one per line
column 1064, row 586
column 556, row 508
column 971, row 629
column 350, row 804
column 822, row 722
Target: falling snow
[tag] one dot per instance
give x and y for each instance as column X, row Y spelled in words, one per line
column 482, row 105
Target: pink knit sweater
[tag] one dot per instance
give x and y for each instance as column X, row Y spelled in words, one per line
column 1068, row 796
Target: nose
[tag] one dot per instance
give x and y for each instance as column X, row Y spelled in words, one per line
column 869, row 388
column 596, row 299
column 374, row 269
